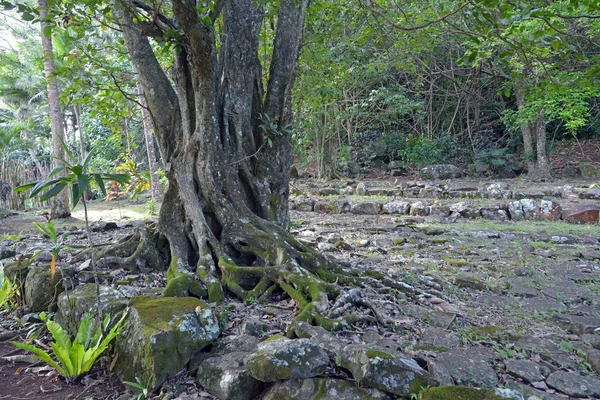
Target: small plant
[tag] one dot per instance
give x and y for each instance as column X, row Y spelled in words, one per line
column 58, row 243
column 12, row 237
column 75, row 358
column 7, row 289
column 144, row 386
column 151, row 206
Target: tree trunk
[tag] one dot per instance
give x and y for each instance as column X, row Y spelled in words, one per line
column 227, row 151
column 152, row 164
column 538, row 166
column 60, row 205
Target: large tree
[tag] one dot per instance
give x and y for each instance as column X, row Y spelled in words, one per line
column 226, row 144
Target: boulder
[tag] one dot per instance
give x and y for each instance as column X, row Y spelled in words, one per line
column 439, row 339
column 322, row 389
column 549, row 210
column 515, row 210
column 280, row 359
column 419, row 209
column 77, row 303
column 529, row 207
column 161, row 335
column 227, row 378
column 524, row 369
column 441, row 171
column 361, row 189
column 385, row 369
column 6, row 252
column 304, row 204
column 397, row 207
column 588, row 171
column 42, row 289
column 366, row 208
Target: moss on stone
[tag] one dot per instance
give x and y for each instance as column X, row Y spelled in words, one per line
column 458, row 392
column 372, row 353
column 458, row 263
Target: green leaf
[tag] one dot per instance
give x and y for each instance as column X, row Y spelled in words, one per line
column 87, row 160
column 56, row 171
column 100, row 183
column 75, row 194
column 119, row 178
column 27, row 186
column 48, row 31
column 53, row 191
column 59, row 335
column 83, row 181
column 41, row 185
column 64, row 357
column 41, row 355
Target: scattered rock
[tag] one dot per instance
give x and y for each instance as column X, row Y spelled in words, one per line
column 304, row 204
column 227, row 378
column 578, row 324
column 281, row 359
column 470, row 366
column 573, row 384
column 419, row 209
column 321, row 388
column 542, row 304
column 440, row 339
column 397, row 207
column 524, row 369
column 385, row 369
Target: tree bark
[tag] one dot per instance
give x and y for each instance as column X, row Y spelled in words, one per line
column 536, row 161
column 155, row 187
column 227, row 148
column 60, row 205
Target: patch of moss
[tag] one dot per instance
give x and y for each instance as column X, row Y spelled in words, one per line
column 458, row 392
column 156, row 311
column 372, row 353
column 458, row 263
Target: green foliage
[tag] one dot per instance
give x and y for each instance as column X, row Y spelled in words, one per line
column 420, row 151
column 144, row 386
column 493, row 161
column 140, row 181
column 58, row 243
column 151, row 206
column 72, row 359
column 74, row 176
column 7, row 289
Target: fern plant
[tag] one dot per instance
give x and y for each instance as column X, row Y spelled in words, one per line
column 75, row 358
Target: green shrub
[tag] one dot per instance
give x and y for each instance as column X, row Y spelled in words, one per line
column 75, row 358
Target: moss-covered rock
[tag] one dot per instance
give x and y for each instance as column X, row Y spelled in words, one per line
column 161, row 336
column 181, row 282
column 17, row 271
column 77, row 303
column 322, row 389
column 283, row 358
column 42, row 289
column 459, row 392
column 6, row 252
column 385, row 369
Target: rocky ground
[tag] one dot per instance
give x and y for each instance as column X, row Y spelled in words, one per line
column 480, row 284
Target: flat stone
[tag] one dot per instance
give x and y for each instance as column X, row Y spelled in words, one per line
column 542, row 304
column 578, row 324
column 470, row 367
column 591, row 193
column 565, row 291
column 385, row 369
column 574, row 385
column 520, row 290
column 469, row 281
column 283, row 358
column 322, row 389
column 524, row 369
column 530, row 393
column 441, row 319
column 304, row 204
column 536, row 344
column 440, row 339
column 583, row 214
column 322, row 338
column 498, row 301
